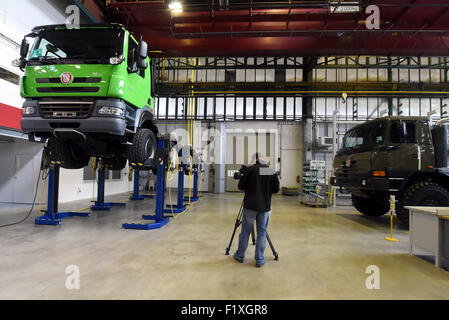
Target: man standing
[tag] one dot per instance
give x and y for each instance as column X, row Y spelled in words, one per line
column 259, row 182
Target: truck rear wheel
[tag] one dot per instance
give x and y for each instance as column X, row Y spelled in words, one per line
column 70, row 156
column 371, row 207
column 143, row 147
column 428, row 194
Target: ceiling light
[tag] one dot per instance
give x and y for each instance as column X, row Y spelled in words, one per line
column 175, row 6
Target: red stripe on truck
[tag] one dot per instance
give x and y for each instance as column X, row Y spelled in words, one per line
column 10, row 117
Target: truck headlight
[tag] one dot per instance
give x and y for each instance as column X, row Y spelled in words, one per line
column 364, row 182
column 28, row 110
column 115, row 60
column 111, row 111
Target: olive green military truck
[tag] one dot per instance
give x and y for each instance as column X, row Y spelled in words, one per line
column 401, row 156
column 88, row 93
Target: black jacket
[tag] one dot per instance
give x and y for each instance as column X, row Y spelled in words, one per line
column 259, row 182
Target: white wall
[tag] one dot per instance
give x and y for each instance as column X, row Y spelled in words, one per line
column 72, row 186
column 291, row 154
column 17, row 18
column 10, row 191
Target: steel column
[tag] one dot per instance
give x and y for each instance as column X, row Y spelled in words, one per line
column 100, row 205
column 136, row 195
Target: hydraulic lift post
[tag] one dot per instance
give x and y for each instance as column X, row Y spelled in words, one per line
column 194, row 197
column 52, row 216
column 179, row 207
column 100, row 205
column 136, row 195
column 159, row 219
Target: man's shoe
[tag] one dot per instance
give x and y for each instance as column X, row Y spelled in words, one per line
column 260, row 264
column 237, row 258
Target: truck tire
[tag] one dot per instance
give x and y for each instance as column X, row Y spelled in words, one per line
column 371, row 207
column 70, row 156
column 116, row 163
column 143, row 147
column 421, row 194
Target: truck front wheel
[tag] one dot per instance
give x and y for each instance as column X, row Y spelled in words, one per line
column 70, row 156
column 143, row 147
column 427, row 194
column 373, row 207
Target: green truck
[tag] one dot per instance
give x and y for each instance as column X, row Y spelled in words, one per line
column 88, row 93
column 401, row 156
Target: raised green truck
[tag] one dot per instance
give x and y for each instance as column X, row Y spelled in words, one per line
column 401, row 156
column 88, row 93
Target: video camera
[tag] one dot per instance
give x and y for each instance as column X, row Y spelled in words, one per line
column 239, row 174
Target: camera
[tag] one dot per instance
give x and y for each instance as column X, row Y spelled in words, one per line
column 239, row 174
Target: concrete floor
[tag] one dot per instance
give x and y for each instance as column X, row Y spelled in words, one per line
column 323, row 255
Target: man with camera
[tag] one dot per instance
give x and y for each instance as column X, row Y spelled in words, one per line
column 259, row 182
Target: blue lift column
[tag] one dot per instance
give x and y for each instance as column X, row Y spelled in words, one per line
column 100, row 205
column 159, row 219
column 136, row 195
column 194, row 197
column 52, row 216
column 180, row 207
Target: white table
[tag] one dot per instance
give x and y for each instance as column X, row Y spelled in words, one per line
column 426, row 230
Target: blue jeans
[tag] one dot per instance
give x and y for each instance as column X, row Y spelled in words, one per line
column 247, row 226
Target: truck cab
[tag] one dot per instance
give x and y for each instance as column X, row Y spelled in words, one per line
column 393, row 156
column 88, row 93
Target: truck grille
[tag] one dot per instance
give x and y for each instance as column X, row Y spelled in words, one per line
column 75, row 80
column 67, row 89
column 65, row 109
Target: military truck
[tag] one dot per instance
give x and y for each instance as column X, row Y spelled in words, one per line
column 88, row 93
column 401, row 156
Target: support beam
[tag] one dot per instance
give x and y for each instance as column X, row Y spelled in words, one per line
column 309, row 63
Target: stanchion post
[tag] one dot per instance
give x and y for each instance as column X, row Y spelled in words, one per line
column 392, row 210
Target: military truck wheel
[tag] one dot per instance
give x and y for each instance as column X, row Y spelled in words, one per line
column 371, row 207
column 143, row 147
column 70, row 156
column 116, row 163
column 428, row 194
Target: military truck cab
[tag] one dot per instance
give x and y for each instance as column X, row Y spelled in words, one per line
column 399, row 156
column 88, row 92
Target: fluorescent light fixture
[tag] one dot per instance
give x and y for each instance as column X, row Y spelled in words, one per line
column 344, row 6
column 175, row 6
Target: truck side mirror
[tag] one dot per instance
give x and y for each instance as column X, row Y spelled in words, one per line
column 142, row 54
column 142, row 49
column 24, row 47
column 141, row 63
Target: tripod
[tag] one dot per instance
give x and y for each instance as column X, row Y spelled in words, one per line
column 238, row 222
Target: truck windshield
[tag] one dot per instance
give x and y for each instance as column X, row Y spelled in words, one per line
column 80, row 45
column 363, row 137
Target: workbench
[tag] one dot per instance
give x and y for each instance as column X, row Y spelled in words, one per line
column 427, row 232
